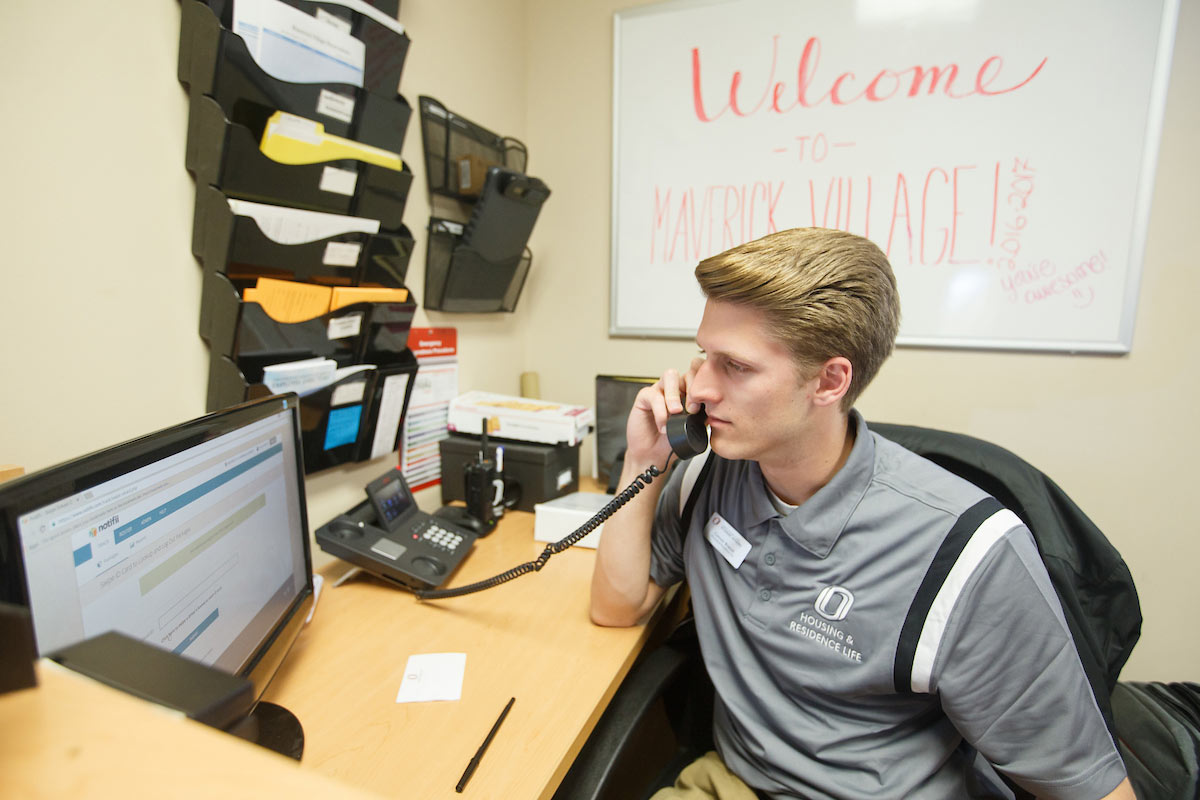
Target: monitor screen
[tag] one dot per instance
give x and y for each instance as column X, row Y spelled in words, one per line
column 194, row 538
column 614, row 399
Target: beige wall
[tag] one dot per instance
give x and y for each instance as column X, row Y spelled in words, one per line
column 100, row 293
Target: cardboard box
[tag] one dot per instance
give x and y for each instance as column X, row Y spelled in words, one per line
column 472, row 171
column 557, row 518
column 544, row 471
column 519, row 418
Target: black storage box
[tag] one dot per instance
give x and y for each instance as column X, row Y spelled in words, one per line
column 544, row 471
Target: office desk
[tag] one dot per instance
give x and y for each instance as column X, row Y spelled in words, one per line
column 530, row 639
column 73, row 737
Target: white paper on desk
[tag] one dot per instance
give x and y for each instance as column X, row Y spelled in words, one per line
column 432, row 676
column 293, row 46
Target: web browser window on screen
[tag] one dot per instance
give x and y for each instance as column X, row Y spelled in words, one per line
column 194, row 553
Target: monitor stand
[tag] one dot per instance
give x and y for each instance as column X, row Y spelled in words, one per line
column 273, row 727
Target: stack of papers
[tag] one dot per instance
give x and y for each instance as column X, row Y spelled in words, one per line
column 307, row 376
column 297, row 47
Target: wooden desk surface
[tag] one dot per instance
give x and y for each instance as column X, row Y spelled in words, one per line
column 530, row 639
column 73, row 737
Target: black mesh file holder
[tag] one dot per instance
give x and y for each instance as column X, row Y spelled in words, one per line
column 453, row 143
column 482, row 266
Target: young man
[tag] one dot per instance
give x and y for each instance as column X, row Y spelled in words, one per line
column 808, row 542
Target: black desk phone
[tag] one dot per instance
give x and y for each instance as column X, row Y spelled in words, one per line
column 387, row 535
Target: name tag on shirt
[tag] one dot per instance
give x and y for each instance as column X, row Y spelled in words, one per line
column 725, row 539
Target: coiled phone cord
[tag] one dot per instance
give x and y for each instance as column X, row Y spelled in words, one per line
column 639, row 483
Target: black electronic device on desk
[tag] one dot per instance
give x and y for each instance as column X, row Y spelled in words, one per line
column 388, row 536
column 193, row 540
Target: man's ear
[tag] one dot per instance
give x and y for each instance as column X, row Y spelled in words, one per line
column 833, row 381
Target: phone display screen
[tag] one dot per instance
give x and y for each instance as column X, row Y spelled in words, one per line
column 391, row 501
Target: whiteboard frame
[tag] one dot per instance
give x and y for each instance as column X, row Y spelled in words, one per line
column 1138, row 232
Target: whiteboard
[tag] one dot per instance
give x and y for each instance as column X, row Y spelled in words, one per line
column 1001, row 154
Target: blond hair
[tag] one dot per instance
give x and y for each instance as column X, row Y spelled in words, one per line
column 825, row 293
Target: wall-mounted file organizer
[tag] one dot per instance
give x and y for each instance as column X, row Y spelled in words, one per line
column 225, row 153
column 459, row 152
column 334, row 128
column 216, row 62
column 348, row 335
column 482, row 266
column 353, row 419
column 356, row 418
column 235, row 246
column 457, row 278
column 385, row 46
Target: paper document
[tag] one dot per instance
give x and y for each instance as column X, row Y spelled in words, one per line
column 290, row 139
column 297, row 47
column 297, row 226
column 391, row 407
column 300, row 377
column 436, row 384
column 433, row 676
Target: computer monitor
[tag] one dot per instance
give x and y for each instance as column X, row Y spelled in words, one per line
column 193, row 538
column 614, row 399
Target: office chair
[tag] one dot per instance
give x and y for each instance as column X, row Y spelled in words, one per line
column 1094, row 584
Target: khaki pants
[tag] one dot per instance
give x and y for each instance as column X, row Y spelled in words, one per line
column 707, row 778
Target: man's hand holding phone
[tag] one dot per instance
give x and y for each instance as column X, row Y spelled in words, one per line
column 646, row 430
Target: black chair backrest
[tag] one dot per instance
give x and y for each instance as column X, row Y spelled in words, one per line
column 1093, row 582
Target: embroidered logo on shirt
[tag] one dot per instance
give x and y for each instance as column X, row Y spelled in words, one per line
column 833, row 603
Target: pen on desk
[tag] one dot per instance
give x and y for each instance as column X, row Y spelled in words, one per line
column 470, row 770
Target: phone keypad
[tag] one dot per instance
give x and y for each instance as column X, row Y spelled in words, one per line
column 441, row 538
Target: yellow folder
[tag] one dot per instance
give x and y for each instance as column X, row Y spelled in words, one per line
column 345, row 295
column 292, row 301
column 290, row 139
column 289, row 301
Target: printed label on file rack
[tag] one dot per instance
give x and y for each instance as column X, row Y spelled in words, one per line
column 348, row 393
column 337, row 22
column 341, row 181
column 335, row 105
column 293, row 127
column 341, row 254
column 344, row 327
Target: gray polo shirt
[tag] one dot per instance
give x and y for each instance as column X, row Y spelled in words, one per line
column 800, row 639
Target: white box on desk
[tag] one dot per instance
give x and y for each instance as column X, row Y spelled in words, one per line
column 559, row 517
column 520, row 418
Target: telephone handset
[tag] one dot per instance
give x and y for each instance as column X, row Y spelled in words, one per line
column 688, row 437
column 687, row 434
